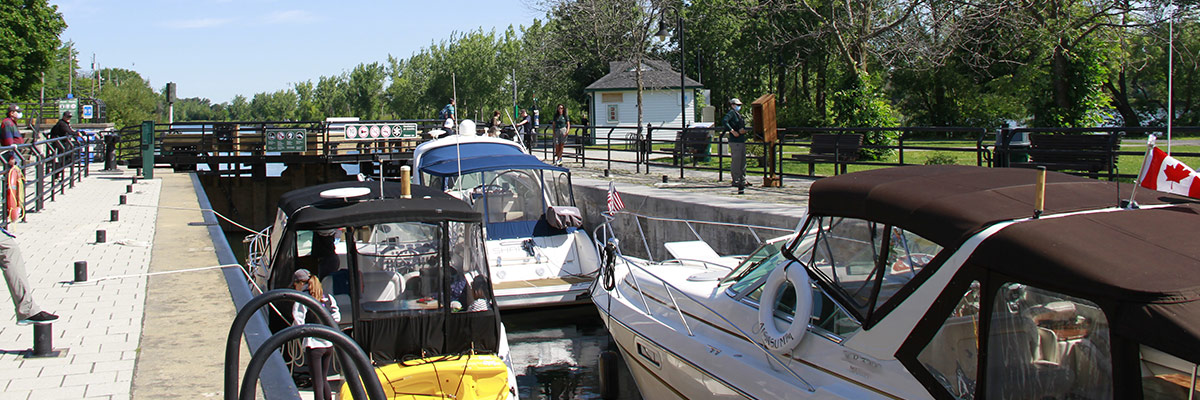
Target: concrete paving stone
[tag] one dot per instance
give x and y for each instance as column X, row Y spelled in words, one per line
column 36, row 383
column 115, row 347
column 45, row 362
column 68, row 370
column 68, row 392
column 15, row 395
column 91, row 378
column 105, row 339
column 91, row 358
column 110, row 389
column 98, row 398
column 9, row 374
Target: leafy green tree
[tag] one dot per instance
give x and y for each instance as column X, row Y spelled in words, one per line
column 30, row 29
column 365, row 90
column 128, row 98
column 276, row 106
column 239, row 109
column 307, row 105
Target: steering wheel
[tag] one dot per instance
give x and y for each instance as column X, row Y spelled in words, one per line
column 488, row 188
column 521, row 178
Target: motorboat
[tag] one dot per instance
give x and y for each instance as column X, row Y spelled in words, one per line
column 538, row 256
column 942, row 282
column 406, row 265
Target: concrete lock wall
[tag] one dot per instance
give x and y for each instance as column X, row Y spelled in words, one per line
column 592, row 196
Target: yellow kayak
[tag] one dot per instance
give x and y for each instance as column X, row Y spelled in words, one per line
column 466, row 377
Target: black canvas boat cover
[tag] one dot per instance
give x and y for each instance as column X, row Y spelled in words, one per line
column 307, row 210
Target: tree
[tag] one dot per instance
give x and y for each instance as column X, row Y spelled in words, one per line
column 128, row 98
column 30, row 29
column 365, row 90
column 598, row 31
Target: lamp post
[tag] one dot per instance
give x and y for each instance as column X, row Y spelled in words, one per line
column 662, row 35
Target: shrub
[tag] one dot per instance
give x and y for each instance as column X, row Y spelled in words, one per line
column 940, row 159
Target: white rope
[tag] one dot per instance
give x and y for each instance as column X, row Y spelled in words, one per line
column 232, row 222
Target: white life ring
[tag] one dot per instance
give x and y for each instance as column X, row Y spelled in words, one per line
column 772, row 337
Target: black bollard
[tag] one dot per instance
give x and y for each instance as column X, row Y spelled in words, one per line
column 43, row 339
column 113, row 216
column 664, row 179
column 128, row 188
column 100, row 236
column 81, row 271
column 135, row 179
column 122, row 201
column 605, row 173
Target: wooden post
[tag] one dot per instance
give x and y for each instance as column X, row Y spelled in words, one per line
column 765, row 125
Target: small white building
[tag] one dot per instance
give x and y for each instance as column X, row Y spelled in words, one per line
column 614, row 100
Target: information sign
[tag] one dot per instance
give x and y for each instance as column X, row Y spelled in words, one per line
column 86, row 112
column 71, row 105
column 381, row 131
column 286, row 140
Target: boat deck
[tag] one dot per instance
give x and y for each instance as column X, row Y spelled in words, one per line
column 541, row 283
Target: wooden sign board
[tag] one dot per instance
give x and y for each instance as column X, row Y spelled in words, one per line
column 764, row 117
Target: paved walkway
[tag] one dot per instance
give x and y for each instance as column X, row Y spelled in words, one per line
column 122, row 334
column 99, row 322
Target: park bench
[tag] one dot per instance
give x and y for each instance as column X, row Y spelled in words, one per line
column 838, row 149
column 1090, row 153
column 691, row 142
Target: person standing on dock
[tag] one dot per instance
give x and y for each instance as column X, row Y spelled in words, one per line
column 9, row 134
column 62, row 128
column 524, row 129
column 736, row 126
column 562, row 125
column 318, row 352
column 448, row 118
column 13, row 266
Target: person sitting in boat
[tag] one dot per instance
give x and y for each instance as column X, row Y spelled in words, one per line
column 479, row 287
column 318, row 352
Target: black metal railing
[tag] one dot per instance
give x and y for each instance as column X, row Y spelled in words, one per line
column 36, row 173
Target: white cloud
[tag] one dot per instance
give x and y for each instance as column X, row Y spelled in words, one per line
column 198, row 23
column 290, row 17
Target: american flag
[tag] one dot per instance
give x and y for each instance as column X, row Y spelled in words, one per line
column 614, row 198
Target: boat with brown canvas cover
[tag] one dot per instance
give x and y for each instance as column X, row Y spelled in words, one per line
column 930, row 282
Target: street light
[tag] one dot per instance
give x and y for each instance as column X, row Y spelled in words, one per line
column 662, row 34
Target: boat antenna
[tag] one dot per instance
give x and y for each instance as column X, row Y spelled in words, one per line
column 1039, row 199
column 1170, row 70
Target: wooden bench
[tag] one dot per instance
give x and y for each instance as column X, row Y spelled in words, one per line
column 691, row 142
column 838, row 149
column 1090, row 153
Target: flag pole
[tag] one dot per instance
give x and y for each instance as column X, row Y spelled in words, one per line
column 1170, row 73
column 1142, row 173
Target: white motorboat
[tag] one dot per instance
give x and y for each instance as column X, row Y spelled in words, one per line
column 538, row 256
column 926, row 282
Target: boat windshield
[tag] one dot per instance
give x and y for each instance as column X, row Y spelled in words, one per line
column 862, row 263
column 510, row 195
column 402, row 267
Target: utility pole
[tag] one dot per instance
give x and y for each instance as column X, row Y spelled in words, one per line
column 71, row 74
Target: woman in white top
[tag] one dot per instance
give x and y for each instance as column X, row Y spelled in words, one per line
column 318, row 352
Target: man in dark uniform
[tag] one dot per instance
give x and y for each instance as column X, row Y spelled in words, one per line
column 62, row 128
column 736, row 126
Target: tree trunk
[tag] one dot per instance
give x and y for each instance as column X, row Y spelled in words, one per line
column 1120, row 98
column 1062, row 98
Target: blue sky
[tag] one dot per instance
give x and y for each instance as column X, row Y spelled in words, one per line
column 221, row 48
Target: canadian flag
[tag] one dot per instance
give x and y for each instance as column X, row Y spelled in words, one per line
column 1164, row 173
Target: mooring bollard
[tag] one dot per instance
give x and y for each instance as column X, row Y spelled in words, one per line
column 122, row 201
column 664, row 179
column 606, row 173
column 81, row 271
column 43, row 339
column 135, row 179
column 100, row 236
column 113, row 216
column 128, row 188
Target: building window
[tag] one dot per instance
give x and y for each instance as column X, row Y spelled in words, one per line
column 612, row 97
column 613, row 114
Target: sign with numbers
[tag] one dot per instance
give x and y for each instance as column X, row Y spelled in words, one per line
column 287, row 140
column 381, row 131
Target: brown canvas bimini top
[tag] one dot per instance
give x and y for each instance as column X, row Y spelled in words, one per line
column 1142, row 266
column 949, row 203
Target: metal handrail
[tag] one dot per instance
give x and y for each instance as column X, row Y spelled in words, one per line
column 669, row 288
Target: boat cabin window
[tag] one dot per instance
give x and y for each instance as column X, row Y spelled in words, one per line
column 952, row 356
column 402, row 266
column 864, row 263
column 558, row 188
column 470, row 288
column 747, row 284
column 1043, row 344
column 1166, row 377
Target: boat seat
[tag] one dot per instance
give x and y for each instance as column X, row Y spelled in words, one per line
column 1015, row 370
column 383, row 286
